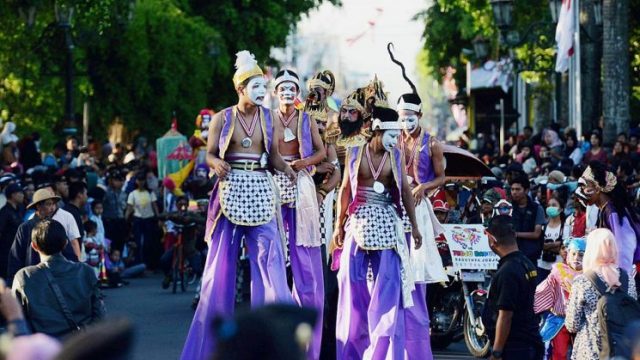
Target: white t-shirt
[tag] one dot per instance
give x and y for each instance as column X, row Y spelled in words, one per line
column 68, row 223
column 141, row 202
column 553, row 233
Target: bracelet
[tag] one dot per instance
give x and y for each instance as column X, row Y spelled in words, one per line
column 322, row 192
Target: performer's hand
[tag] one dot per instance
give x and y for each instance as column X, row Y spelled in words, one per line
column 325, row 168
column 338, row 240
column 299, row 164
column 417, row 237
column 221, row 168
column 419, row 193
column 291, row 174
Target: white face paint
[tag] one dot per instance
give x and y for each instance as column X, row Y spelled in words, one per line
column 287, row 92
column 257, row 89
column 409, row 120
column 390, row 139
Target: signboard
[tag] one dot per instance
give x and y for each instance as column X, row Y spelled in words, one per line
column 469, row 247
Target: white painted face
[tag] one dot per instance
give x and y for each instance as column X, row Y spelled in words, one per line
column 287, row 92
column 390, row 139
column 409, row 120
column 257, row 89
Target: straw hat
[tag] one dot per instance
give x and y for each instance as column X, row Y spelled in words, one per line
column 43, row 195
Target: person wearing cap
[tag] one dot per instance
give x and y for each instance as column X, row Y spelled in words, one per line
column 58, row 296
column 242, row 147
column 375, row 276
column 61, row 188
column 45, row 205
column 441, row 210
column 552, row 296
column 301, row 146
column 487, row 202
column 10, row 219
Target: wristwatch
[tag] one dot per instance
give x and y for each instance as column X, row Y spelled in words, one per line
column 496, row 354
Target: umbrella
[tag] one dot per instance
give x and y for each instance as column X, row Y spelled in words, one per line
column 182, row 152
column 463, row 165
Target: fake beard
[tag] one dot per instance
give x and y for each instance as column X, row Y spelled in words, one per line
column 348, row 128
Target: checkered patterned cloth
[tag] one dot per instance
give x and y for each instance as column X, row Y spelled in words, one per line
column 374, row 226
column 247, row 198
column 406, row 223
column 288, row 189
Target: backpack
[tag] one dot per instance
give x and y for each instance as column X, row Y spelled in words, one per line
column 615, row 309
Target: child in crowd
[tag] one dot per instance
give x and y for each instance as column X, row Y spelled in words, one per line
column 96, row 217
column 123, row 267
column 552, row 296
column 94, row 247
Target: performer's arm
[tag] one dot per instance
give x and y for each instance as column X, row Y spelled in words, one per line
column 437, row 159
column 318, row 148
column 336, row 175
column 343, row 204
column 219, row 166
column 409, row 205
column 276, row 160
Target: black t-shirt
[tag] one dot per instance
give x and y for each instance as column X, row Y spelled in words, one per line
column 513, row 288
column 525, row 219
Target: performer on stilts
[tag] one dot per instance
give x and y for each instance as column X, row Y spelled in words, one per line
column 425, row 173
column 375, row 276
column 241, row 145
column 301, row 146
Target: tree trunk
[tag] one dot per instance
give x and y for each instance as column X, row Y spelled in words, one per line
column 591, row 53
column 615, row 68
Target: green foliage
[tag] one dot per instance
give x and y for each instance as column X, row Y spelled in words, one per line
column 451, row 25
column 140, row 60
column 634, row 50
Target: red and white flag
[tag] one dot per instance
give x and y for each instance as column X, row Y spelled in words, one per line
column 564, row 35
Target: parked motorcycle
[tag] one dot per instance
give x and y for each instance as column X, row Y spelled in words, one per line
column 455, row 310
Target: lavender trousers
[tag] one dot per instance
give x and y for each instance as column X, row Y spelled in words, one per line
column 371, row 321
column 308, row 281
column 217, row 296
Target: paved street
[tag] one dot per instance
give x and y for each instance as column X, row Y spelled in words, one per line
column 162, row 319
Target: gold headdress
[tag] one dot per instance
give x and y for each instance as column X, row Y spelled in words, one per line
column 374, row 95
column 355, row 100
column 324, row 79
column 246, row 67
column 610, row 179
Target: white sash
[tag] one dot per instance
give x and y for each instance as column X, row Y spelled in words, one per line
column 307, row 212
column 426, row 261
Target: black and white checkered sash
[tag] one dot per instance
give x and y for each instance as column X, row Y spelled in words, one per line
column 286, row 187
column 247, row 197
column 375, row 225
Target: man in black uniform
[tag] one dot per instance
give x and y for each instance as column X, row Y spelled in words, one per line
column 508, row 315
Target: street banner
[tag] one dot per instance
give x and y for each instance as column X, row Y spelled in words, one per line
column 469, row 247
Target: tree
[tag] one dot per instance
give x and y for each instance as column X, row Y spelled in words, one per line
column 140, row 60
column 615, row 68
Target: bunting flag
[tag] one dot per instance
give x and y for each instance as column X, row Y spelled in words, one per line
column 564, row 35
column 372, row 23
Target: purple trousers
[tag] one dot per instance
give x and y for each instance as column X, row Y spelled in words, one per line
column 370, row 318
column 217, row 296
column 308, row 281
column 416, row 320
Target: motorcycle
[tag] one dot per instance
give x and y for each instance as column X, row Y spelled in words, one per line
column 455, row 310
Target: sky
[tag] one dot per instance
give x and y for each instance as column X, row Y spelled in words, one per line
column 351, row 41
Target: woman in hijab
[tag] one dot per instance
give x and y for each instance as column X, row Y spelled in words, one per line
column 600, row 262
column 555, row 146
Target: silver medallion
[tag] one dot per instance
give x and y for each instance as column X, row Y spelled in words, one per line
column 264, row 160
column 409, row 179
column 288, row 135
column 246, row 142
column 378, row 187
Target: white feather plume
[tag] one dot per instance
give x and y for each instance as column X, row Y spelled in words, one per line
column 245, row 61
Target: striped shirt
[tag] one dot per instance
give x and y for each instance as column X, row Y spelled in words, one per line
column 552, row 294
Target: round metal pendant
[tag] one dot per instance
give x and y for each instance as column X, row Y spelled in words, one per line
column 409, row 179
column 246, row 142
column 288, row 135
column 378, row 187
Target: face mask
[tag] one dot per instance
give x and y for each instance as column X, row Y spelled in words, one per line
column 410, row 123
column 256, row 90
column 553, row 211
column 287, row 93
column 390, row 139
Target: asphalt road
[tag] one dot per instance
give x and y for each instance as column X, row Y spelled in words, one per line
column 162, row 319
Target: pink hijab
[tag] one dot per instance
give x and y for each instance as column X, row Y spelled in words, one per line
column 601, row 256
